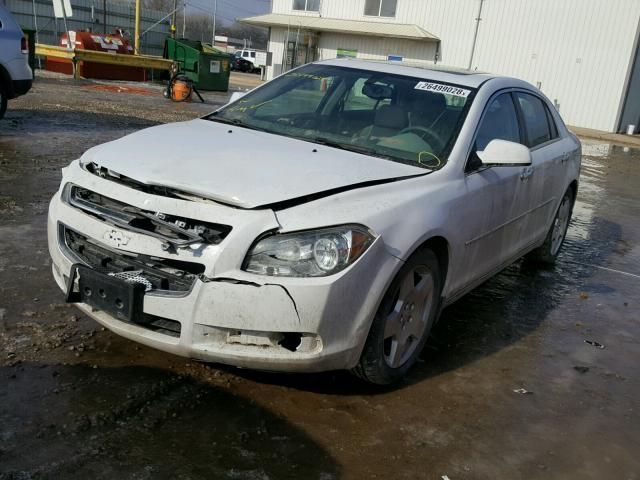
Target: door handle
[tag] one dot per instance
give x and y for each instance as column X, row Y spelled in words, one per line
column 565, row 156
column 526, row 173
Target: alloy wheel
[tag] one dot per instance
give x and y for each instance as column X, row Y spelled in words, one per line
column 406, row 323
column 560, row 224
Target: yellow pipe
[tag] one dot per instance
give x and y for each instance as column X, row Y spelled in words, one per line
column 78, row 54
column 136, row 44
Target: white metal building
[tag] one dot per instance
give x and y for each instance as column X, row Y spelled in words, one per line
column 583, row 54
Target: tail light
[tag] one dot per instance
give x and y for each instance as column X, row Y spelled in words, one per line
column 23, row 45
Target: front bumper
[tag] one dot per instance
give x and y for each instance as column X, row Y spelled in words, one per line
column 231, row 316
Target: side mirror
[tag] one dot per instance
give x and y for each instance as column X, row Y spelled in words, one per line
column 502, row 153
column 236, row 96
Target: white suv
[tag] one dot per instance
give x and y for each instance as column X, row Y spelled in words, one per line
column 15, row 74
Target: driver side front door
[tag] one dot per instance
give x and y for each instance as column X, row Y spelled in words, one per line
column 497, row 199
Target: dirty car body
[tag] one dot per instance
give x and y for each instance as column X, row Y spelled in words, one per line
column 277, row 254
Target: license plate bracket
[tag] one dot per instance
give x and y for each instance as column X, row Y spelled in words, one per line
column 114, row 296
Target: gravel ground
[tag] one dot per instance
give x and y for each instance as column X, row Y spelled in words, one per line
column 77, row 401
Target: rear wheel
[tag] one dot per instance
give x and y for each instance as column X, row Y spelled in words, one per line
column 403, row 321
column 547, row 253
column 3, row 100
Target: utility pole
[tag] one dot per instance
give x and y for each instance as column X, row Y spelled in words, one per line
column 136, row 45
column 104, row 16
column 213, row 34
column 475, row 35
column 174, row 18
column 184, row 18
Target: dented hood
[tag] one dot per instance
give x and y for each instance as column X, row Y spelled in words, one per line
column 237, row 166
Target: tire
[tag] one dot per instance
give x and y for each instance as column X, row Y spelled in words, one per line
column 547, row 253
column 401, row 319
column 3, row 100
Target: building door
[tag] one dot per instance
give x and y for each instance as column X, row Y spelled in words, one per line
column 630, row 113
column 301, row 49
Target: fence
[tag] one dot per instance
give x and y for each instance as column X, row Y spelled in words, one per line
column 88, row 14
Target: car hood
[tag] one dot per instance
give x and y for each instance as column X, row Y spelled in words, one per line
column 237, row 166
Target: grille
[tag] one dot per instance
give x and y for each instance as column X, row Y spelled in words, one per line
column 173, row 231
column 163, row 325
column 154, row 273
column 135, row 276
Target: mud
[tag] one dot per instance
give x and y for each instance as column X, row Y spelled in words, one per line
column 76, row 401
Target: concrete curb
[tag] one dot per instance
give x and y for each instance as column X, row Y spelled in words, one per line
column 618, row 139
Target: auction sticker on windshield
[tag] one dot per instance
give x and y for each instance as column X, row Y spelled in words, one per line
column 440, row 88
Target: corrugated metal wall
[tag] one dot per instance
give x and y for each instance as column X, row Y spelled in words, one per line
column 276, row 45
column 377, row 48
column 88, row 14
column 578, row 51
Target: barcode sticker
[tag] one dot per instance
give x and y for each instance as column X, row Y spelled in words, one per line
column 440, row 88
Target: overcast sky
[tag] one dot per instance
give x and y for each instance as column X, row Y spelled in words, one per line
column 228, row 10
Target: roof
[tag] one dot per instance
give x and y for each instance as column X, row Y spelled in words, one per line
column 440, row 73
column 354, row 27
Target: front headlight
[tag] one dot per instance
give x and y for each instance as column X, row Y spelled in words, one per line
column 313, row 253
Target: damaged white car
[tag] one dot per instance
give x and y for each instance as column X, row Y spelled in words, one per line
column 320, row 222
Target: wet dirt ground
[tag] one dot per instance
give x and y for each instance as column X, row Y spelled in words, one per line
column 76, row 401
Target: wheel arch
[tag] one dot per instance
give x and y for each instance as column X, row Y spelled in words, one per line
column 5, row 81
column 573, row 186
column 441, row 248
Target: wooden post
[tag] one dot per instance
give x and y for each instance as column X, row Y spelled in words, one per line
column 136, row 44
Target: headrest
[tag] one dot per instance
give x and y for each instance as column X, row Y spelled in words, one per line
column 391, row 116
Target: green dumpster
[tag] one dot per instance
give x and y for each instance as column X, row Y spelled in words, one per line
column 208, row 67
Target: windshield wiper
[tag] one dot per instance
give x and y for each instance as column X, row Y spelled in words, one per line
column 363, row 150
column 350, row 147
column 232, row 121
column 355, row 148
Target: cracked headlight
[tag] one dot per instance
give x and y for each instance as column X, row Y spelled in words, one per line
column 313, row 253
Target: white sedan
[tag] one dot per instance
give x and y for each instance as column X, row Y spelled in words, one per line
column 320, row 222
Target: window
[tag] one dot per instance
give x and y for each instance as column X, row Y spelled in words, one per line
column 380, row 8
column 307, row 5
column 552, row 125
column 253, row 54
column 500, row 122
column 536, row 120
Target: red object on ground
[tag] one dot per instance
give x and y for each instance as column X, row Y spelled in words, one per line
column 120, row 89
column 101, row 43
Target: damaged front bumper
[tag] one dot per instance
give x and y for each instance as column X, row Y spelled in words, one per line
column 216, row 311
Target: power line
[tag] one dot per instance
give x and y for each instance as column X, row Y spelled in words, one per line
column 210, row 12
column 227, row 5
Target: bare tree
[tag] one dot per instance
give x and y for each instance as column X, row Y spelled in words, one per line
column 161, row 5
column 257, row 35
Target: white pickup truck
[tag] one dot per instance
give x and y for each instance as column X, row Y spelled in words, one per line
column 257, row 57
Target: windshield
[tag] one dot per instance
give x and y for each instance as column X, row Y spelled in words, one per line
column 405, row 119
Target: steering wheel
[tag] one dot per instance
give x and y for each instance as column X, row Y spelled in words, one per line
column 428, row 135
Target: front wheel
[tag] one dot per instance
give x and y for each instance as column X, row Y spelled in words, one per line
column 403, row 321
column 547, row 253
